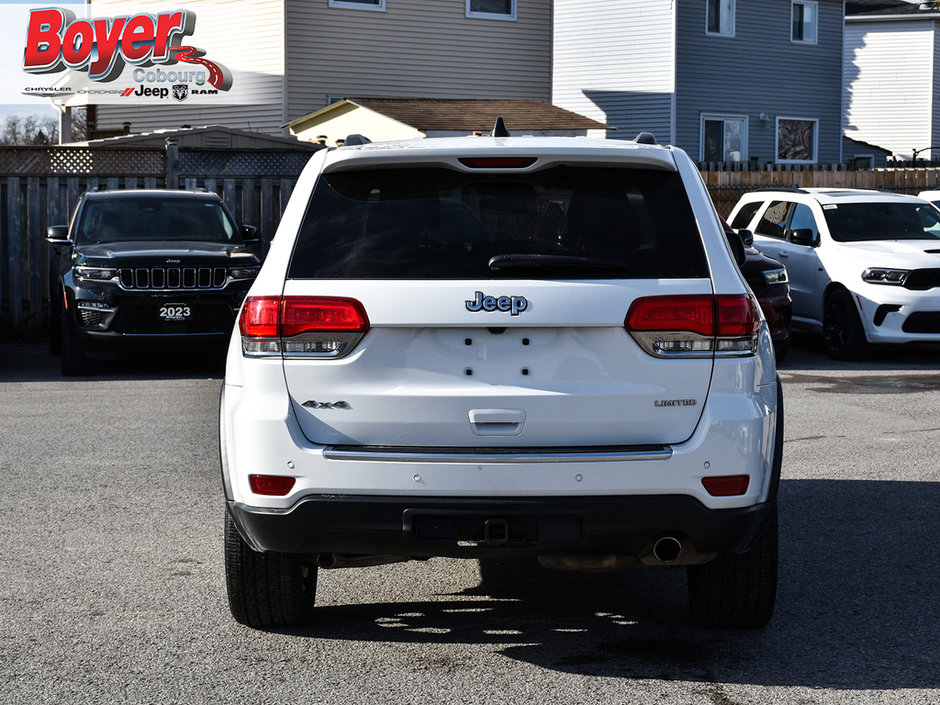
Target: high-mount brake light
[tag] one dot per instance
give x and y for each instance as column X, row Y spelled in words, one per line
column 497, row 162
column 301, row 326
column 697, row 325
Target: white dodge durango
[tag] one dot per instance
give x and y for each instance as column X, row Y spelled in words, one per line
column 864, row 266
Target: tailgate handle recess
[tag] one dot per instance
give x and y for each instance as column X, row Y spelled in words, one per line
column 497, row 422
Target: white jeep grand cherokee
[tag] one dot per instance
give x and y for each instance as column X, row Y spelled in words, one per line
column 481, row 347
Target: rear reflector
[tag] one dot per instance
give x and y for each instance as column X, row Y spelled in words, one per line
column 727, row 485
column 497, row 162
column 307, row 325
column 697, row 325
column 272, row 485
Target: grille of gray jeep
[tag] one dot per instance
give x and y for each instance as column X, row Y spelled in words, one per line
column 173, row 277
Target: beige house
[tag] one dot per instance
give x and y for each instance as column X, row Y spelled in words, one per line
column 382, row 119
column 304, row 56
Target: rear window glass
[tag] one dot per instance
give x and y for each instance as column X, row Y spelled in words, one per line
column 563, row 222
column 152, row 218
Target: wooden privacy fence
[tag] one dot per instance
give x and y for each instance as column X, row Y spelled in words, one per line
column 726, row 187
column 40, row 186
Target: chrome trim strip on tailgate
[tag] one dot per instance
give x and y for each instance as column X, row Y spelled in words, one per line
column 502, row 455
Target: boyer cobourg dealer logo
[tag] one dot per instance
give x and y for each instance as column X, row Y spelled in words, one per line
column 103, row 47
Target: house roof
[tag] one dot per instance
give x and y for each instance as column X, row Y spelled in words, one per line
column 467, row 115
column 203, row 136
column 889, row 8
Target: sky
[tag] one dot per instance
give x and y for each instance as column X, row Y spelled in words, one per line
column 13, row 17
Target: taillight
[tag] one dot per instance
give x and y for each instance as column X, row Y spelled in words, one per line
column 314, row 326
column 697, row 325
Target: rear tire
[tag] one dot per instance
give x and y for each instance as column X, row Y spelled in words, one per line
column 843, row 333
column 737, row 590
column 266, row 589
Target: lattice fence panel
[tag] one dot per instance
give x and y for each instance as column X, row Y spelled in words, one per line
column 82, row 161
column 200, row 163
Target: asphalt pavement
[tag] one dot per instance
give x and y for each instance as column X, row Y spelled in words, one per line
column 112, row 591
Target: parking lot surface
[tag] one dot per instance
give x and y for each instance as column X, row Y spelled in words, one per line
column 111, row 584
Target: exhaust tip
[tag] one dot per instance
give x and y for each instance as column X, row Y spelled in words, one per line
column 667, row 549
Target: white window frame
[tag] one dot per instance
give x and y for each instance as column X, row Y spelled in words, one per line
column 511, row 17
column 804, row 3
column 722, row 117
column 719, row 33
column 815, row 158
column 377, row 6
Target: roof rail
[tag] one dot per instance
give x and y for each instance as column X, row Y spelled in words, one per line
column 787, row 189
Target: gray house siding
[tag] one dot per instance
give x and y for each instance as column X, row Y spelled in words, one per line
column 305, row 53
column 414, row 49
column 759, row 71
column 263, row 53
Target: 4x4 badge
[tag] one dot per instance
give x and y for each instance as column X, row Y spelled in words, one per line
column 514, row 304
column 313, row 404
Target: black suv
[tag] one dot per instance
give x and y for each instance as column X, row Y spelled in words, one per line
column 139, row 267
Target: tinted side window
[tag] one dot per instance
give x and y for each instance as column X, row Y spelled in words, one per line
column 803, row 219
column 435, row 223
column 744, row 216
column 774, row 221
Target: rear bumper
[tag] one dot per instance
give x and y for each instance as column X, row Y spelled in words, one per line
column 490, row 526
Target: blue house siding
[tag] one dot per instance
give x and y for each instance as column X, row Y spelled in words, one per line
column 759, row 71
column 631, row 113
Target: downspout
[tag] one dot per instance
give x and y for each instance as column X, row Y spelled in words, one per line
column 65, row 121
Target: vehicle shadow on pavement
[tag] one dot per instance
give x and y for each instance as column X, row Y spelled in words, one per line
column 807, row 353
column 32, row 362
column 857, row 605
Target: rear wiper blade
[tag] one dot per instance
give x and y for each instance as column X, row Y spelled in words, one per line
column 524, row 261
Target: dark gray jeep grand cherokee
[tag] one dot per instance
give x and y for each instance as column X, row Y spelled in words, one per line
column 136, row 268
